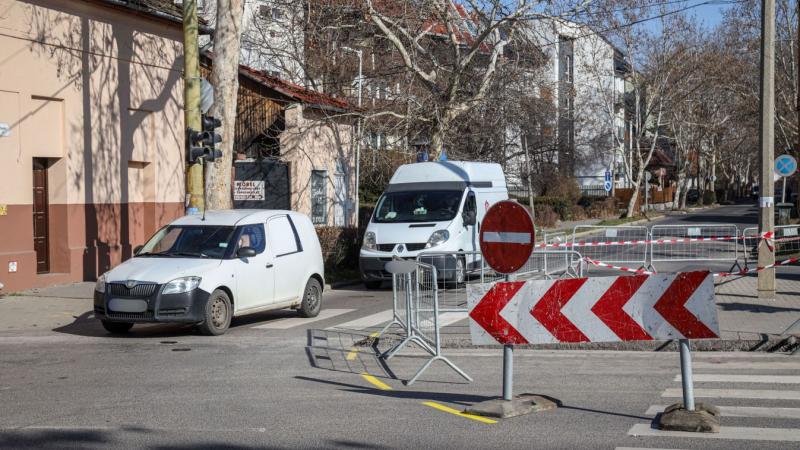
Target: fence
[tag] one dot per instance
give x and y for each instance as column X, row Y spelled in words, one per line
column 612, row 244
column 786, row 241
column 415, row 287
column 670, row 243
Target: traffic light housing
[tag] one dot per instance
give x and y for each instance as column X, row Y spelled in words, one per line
column 203, row 144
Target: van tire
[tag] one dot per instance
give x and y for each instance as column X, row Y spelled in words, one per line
column 218, row 313
column 373, row 284
column 117, row 327
column 312, row 299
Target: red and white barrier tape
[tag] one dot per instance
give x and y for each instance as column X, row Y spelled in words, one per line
column 720, row 274
column 766, row 235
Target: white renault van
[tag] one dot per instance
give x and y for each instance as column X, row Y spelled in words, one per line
column 205, row 271
column 431, row 207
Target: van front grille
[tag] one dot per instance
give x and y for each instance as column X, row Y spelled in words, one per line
column 413, row 247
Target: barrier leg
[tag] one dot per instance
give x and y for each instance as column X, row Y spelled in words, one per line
column 688, row 416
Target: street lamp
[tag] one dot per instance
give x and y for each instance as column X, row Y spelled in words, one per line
column 358, row 131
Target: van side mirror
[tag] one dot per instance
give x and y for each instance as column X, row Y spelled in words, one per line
column 137, row 249
column 468, row 217
column 246, row 252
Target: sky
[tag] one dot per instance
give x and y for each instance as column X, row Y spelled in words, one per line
column 710, row 14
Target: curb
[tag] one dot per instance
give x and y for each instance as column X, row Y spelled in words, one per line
column 766, row 343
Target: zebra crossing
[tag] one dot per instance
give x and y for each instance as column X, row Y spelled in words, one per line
column 362, row 323
column 753, row 392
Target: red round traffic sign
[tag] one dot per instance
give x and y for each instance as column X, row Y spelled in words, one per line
column 507, row 236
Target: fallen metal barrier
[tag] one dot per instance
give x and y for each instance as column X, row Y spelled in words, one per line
column 612, row 244
column 707, row 243
column 416, row 284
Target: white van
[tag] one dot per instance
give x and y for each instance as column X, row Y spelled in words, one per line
column 431, row 207
column 205, row 271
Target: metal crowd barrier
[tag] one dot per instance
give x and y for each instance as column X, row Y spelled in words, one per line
column 416, row 285
column 618, row 251
column 671, row 243
column 786, row 241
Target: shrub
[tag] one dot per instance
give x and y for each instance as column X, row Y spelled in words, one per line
column 603, row 209
column 709, row 197
column 340, row 247
column 577, row 212
column 559, row 205
column 546, row 217
column 564, row 187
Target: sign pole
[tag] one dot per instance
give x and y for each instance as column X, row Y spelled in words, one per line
column 686, row 376
column 508, row 363
column 783, row 194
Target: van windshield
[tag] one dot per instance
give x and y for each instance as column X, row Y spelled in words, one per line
column 189, row 241
column 417, row 206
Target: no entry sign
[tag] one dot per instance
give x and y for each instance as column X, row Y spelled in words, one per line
column 507, row 236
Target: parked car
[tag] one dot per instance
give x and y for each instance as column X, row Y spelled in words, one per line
column 205, row 271
column 431, row 207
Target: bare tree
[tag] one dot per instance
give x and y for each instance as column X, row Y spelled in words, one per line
column 225, row 78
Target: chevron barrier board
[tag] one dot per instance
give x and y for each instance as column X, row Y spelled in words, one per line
column 603, row 309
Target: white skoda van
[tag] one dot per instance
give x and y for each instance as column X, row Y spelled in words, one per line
column 205, row 271
column 431, row 207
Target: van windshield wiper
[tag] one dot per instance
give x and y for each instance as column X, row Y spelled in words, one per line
column 190, row 254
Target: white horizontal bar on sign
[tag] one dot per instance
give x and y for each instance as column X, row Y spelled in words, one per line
column 743, row 411
column 735, row 433
column 506, row 237
column 285, row 324
column 736, row 393
column 366, row 321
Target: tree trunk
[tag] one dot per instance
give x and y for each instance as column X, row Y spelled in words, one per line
column 225, row 79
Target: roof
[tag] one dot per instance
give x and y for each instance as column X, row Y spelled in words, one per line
column 231, row 217
column 163, row 9
column 294, row 91
column 460, row 171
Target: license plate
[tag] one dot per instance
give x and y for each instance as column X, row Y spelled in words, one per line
column 127, row 305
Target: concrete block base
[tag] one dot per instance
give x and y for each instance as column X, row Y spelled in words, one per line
column 704, row 418
column 518, row 406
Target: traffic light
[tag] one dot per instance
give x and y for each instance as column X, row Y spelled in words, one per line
column 203, row 144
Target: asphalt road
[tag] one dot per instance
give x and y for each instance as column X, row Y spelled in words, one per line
column 277, row 381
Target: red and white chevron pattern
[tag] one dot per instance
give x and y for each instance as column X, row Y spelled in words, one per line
column 606, row 309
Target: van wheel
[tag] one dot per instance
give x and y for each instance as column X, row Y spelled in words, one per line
column 373, row 284
column 117, row 327
column 217, row 314
column 312, row 299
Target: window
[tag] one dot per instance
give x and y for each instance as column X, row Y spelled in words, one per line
column 417, row 206
column 283, row 238
column 319, row 197
column 189, row 241
column 252, row 236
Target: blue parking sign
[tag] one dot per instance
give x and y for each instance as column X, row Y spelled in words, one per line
column 785, row 166
column 607, row 186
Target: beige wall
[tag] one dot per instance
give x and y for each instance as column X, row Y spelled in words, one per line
column 97, row 89
column 314, row 141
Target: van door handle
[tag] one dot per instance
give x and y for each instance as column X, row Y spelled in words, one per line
column 269, row 266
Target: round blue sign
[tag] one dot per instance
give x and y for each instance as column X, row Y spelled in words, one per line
column 607, row 186
column 785, row 166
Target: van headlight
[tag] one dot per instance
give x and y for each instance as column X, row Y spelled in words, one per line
column 369, row 241
column 100, row 286
column 181, row 285
column 438, row 238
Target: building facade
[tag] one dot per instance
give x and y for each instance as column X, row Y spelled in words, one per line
column 91, row 96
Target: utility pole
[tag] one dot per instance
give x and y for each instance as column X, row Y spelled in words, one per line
column 191, row 105
column 766, row 203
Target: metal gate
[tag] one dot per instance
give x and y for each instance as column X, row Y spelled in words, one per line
column 261, row 184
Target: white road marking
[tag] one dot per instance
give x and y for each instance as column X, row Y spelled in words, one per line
column 366, row 321
column 743, row 411
column 284, row 324
column 736, row 433
column 747, row 365
column 730, row 378
column 641, row 448
column 450, row 318
column 506, row 237
column 736, row 393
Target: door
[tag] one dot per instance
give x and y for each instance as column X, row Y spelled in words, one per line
column 255, row 277
column 41, row 237
column 287, row 252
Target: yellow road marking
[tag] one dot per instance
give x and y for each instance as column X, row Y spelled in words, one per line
column 376, row 382
column 353, row 354
column 456, row 412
